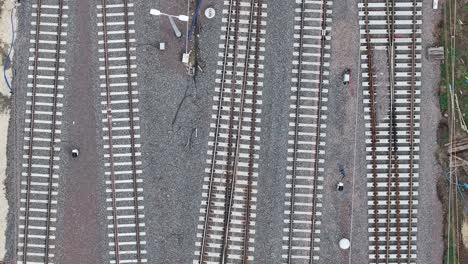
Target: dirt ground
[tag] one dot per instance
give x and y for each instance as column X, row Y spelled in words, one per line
column 461, row 86
column 462, row 206
column 5, row 39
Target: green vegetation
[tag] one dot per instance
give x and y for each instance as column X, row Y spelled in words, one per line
column 452, row 253
column 454, row 73
column 444, row 137
column 443, row 101
column 4, row 102
column 456, row 59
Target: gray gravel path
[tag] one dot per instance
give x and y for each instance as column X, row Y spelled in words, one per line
column 16, row 127
column 430, row 223
column 172, row 172
column 274, row 135
column 344, row 213
column 82, row 230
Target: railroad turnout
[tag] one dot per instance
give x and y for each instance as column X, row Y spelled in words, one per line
column 42, row 146
column 121, row 132
column 226, row 229
column 307, row 131
column 392, row 27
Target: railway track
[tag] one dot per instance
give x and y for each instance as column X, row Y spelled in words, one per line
column 226, row 230
column 306, row 131
column 121, row 132
column 392, row 143
column 40, row 167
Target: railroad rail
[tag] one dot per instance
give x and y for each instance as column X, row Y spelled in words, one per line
column 121, row 126
column 40, row 169
column 227, row 215
column 307, row 131
column 392, row 27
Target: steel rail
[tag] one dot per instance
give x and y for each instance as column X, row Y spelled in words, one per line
column 393, row 142
column 373, row 123
column 132, row 133
column 390, row 32
column 252, row 133
column 31, row 132
column 411, row 139
column 215, row 144
column 54, row 116
column 229, row 167
column 390, row 54
column 224, row 245
column 32, row 121
column 109, row 123
column 296, row 133
column 317, row 132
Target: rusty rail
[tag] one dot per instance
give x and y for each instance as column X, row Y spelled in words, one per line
column 393, row 141
column 393, row 163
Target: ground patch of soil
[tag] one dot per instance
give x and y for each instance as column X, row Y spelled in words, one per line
column 443, row 190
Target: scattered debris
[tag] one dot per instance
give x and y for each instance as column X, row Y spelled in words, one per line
column 186, row 58
column 190, row 61
column 340, row 186
column 436, row 53
column 75, row 152
column 457, row 146
column 190, row 141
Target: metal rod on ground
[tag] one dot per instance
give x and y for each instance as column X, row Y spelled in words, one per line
column 175, row 28
column 187, row 27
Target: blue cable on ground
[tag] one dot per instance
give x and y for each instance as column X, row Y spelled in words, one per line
column 194, row 20
column 7, row 60
column 460, row 186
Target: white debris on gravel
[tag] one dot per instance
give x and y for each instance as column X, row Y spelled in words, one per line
column 5, row 42
column 465, row 230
